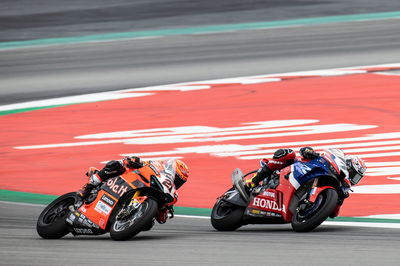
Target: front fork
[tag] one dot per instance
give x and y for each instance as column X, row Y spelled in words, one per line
column 312, row 197
column 314, row 192
column 137, row 199
column 135, row 203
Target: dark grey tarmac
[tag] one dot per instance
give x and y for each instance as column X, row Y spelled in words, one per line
column 47, row 72
column 27, row 19
column 192, row 241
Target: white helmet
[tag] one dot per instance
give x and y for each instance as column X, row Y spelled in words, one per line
column 356, row 167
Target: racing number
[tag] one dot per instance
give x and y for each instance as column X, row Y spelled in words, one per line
column 168, row 184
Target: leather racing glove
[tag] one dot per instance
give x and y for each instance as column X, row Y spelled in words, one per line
column 132, row 162
column 111, row 169
column 308, row 153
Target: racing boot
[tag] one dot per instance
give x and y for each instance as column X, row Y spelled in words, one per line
column 111, row 169
column 84, row 192
column 94, row 181
column 248, row 184
column 262, row 173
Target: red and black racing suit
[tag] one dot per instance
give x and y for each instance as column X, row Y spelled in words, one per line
column 280, row 159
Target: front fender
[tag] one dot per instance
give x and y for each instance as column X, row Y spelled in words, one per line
column 316, row 191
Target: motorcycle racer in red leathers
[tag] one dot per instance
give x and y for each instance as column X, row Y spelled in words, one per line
column 285, row 157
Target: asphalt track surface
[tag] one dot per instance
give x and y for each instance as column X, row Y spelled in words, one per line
column 26, row 19
column 45, row 72
column 192, row 241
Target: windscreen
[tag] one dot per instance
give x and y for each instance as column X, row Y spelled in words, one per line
column 339, row 157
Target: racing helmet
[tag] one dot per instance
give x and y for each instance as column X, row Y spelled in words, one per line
column 356, row 167
column 181, row 173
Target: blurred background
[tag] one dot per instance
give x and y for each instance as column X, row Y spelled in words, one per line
column 26, row 20
column 45, row 72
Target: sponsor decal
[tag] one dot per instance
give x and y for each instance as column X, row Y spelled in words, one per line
column 269, row 194
column 81, row 221
column 117, row 189
column 135, row 203
column 71, row 219
column 102, row 222
column 83, row 209
column 168, row 178
column 89, row 223
column 85, row 231
column 261, row 213
column 268, row 204
column 168, row 184
column 273, row 214
column 275, row 162
column 108, row 200
column 103, row 208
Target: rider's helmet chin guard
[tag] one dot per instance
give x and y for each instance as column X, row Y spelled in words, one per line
column 182, row 173
column 356, row 167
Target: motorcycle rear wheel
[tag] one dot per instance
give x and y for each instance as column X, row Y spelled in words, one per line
column 226, row 216
column 51, row 222
column 324, row 206
column 137, row 221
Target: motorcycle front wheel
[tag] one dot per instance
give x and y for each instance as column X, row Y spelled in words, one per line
column 138, row 220
column 309, row 216
column 226, row 216
column 51, row 222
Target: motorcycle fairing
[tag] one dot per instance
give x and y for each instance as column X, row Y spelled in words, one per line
column 118, row 186
column 268, row 203
column 302, row 172
column 233, row 196
column 100, row 209
column 162, row 175
column 132, row 179
column 79, row 224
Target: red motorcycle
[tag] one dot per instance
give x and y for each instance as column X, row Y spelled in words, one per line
column 124, row 205
column 304, row 194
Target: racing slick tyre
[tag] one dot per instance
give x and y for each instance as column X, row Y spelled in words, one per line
column 309, row 216
column 51, row 222
column 136, row 221
column 226, row 216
